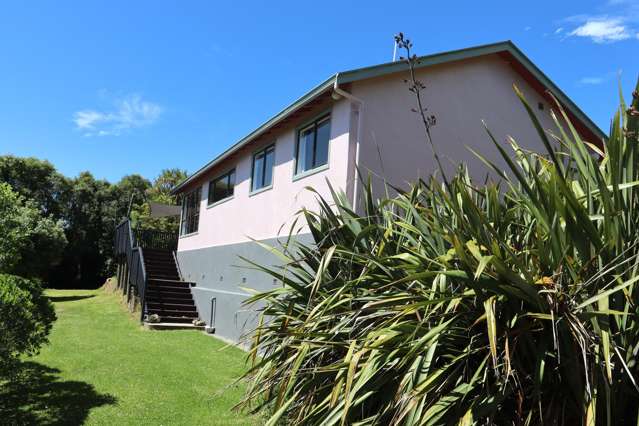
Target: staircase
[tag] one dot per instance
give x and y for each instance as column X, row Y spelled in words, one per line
column 147, row 269
column 167, row 295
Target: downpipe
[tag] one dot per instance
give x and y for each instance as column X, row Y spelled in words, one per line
column 360, row 114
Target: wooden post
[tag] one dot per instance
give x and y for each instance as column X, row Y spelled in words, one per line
column 125, row 275
column 127, row 281
column 118, row 273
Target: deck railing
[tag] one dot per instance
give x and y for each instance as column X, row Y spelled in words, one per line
column 131, row 257
column 129, row 247
column 150, row 238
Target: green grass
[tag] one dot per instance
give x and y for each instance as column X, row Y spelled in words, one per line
column 102, row 367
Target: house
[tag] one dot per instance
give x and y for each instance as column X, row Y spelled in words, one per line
column 355, row 119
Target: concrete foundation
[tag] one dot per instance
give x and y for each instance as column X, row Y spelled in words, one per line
column 222, row 277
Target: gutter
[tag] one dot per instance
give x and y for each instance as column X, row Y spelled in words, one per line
column 297, row 104
column 355, row 101
column 389, row 68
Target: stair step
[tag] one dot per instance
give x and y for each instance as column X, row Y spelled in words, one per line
column 179, row 319
column 172, row 313
column 163, row 273
column 164, row 281
column 168, row 289
column 167, row 295
column 172, row 326
column 161, row 282
column 173, row 277
column 163, row 252
column 159, row 262
column 160, row 267
column 170, row 302
column 159, row 259
column 190, row 307
column 163, row 276
column 157, row 254
column 178, row 291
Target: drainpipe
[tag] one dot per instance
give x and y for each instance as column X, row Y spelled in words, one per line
column 360, row 112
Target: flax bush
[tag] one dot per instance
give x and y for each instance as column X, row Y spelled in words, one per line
column 460, row 303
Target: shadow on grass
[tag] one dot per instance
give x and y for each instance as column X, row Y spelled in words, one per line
column 70, row 298
column 37, row 396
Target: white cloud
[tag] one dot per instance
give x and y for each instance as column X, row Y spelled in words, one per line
column 527, row 28
column 559, row 30
column 591, row 80
column 600, row 79
column 622, row 2
column 603, row 30
column 130, row 112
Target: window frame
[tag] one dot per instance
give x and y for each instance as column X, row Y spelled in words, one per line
column 196, row 193
column 211, row 185
column 312, row 123
column 270, row 147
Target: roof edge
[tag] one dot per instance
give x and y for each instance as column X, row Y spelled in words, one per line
column 474, row 52
column 295, row 105
column 556, row 91
column 423, row 61
column 398, row 66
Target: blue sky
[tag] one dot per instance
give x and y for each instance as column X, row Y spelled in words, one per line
column 120, row 87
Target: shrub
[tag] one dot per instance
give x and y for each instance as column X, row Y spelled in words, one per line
column 460, row 303
column 30, row 243
column 26, row 316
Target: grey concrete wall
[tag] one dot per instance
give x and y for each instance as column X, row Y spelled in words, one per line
column 221, row 274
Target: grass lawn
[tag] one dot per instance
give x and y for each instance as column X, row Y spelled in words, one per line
column 103, row 368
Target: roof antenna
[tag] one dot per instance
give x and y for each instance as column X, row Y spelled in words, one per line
column 394, row 50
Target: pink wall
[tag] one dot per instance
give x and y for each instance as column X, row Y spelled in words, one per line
column 460, row 95
column 262, row 215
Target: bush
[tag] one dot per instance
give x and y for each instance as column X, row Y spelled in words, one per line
column 460, row 303
column 30, row 243
column 26, row 316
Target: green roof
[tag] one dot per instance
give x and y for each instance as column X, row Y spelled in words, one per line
column 507, row 47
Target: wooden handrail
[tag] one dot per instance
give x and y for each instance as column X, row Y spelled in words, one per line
column 125, row 246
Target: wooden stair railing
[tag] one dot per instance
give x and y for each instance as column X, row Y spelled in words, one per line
column 133, row 274
column 147, row 263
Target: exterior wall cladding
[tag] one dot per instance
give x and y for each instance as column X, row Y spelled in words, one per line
column 392, row 148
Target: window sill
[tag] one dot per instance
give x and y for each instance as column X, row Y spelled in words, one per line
column 188, row 235
column 222, row 201
column 259, row 191
column 310, row 172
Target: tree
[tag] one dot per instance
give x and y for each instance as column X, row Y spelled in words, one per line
column 87, row 209
column 26, row 316
column 31, row 243
column 130, row 192
column 36, row 180
column 162, row 186
column 160, row 192
column 90, row 219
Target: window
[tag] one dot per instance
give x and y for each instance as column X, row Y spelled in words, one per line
column 191, row 212
column 312, row 145
column 263, row 168
column 221, row 187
